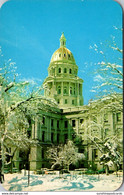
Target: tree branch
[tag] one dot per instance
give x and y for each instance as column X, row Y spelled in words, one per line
column 9, row 86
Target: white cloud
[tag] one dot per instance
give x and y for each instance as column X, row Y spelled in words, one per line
column 32, row 80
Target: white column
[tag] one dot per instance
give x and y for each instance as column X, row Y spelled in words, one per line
column 69, row 88
column 62, row 88
column 48, row 132
column 36, row 128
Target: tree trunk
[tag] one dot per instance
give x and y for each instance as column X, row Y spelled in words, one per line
column 116, row 169
column 68, row 167
column 2, row 157
column 11, row 158
column 11, row 165
column 107, row 170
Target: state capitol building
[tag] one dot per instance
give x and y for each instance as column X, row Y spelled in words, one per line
column 70, row 119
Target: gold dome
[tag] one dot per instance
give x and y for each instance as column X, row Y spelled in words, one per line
column 63, row 54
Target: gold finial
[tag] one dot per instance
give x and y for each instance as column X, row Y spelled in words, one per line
column 62, row 40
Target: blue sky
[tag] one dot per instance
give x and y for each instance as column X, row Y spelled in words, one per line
column 30, row 32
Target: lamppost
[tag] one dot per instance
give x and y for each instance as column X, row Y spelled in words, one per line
column 62, row 164
column 28, row 173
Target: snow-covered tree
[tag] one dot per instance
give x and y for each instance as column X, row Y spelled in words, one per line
column 109, row 71
column 110, row 156
column 70, row 154
column 103, row 120
column 110, row 152
column 64, row 156
column 18, row 105
column 54, row 156
column 13, row 122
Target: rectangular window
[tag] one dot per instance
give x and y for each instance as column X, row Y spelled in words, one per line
column 57, row 124
column 118, row 116
column 59, row 90
column 105, row 118
column 52, row 122
column 95, row 154
column 43, row 136
column 72, row 102
column 65, row 70
column 43, row 153
column 66, row 124
column 52, row 137
column 71, row 90
column 73, row 123
column 80, row 89
column 66, row 101
column 43, row 120
column 29, row 121
column 29, row 133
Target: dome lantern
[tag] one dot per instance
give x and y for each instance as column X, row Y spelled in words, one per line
column 62, row 40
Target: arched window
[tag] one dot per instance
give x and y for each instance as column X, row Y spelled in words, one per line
column 60, row 55
column 65, row 70
column 58, row 101
column 59, row 70
column 70, row 71
column 65, row 90
column 68, row 55
column 59, row 90
column 64, row 55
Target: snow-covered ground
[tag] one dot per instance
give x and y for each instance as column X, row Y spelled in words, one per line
column 65, row 182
